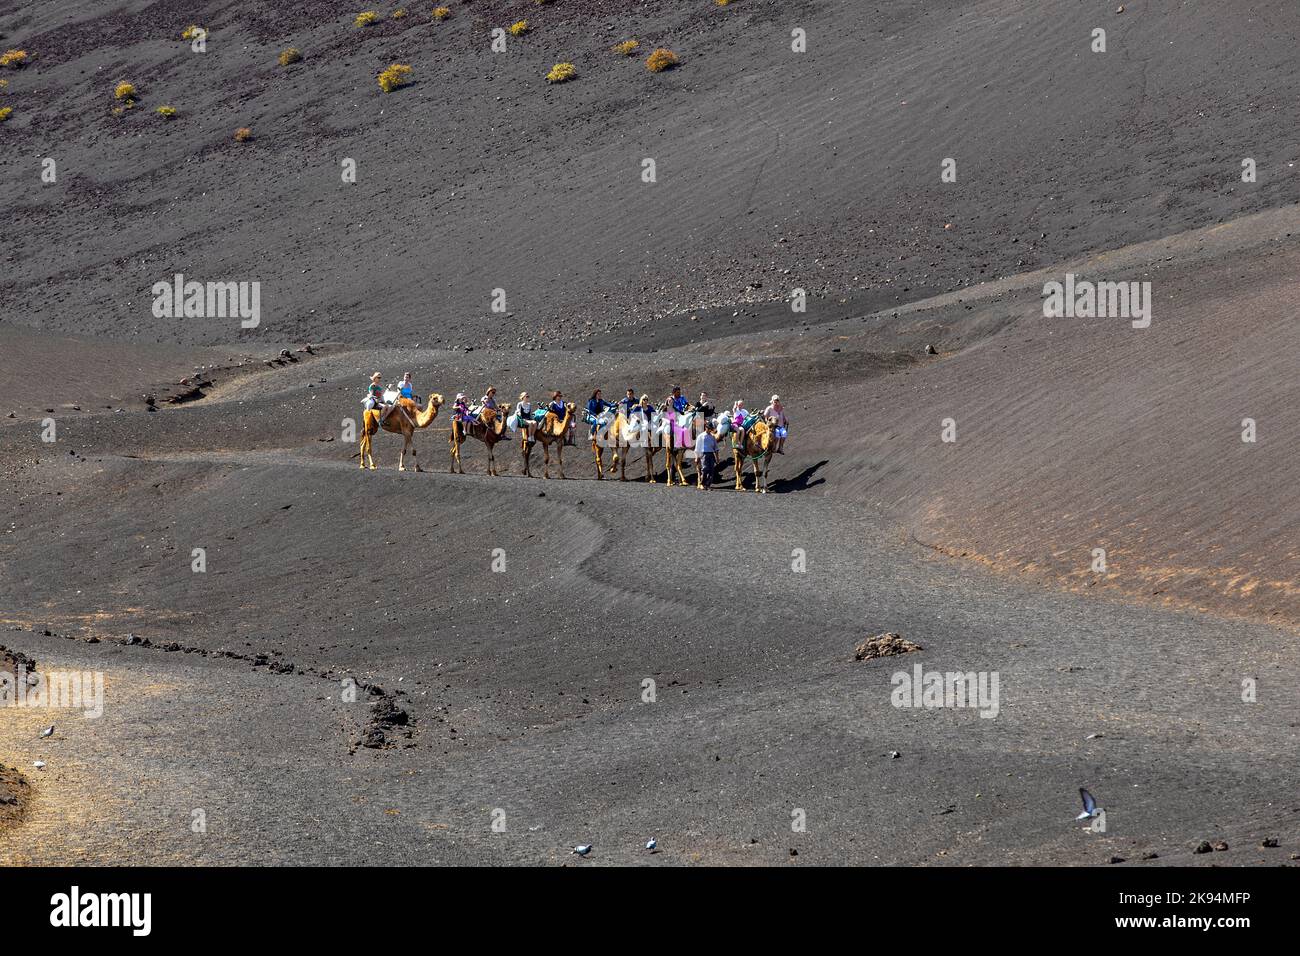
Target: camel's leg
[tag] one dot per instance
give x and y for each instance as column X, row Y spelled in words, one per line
column 681, row 458
column 455, row 451
column 492, row 459
column 740, row 470
column 401, row 459
column 365, row 447
column 525, row 449
column 600, row 459
column 650, row 465
column 559, row 457
column 546, row 459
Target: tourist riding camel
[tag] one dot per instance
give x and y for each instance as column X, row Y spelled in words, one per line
column 553, row 429
column 775, row 413
column 488, row 426
column 402, row 417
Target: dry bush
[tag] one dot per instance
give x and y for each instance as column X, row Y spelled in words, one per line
column 243, row 134
column 626, row 48
column 365, row 19
column 561, row 72
column 660, row 60
column 166, row 112
column 125, row 91
column 519, row 28
column 5, row 112
column 393, row 77
column 13, row 58
column 399, row 13
column 441, row 13
column 291, row 55
column 192, row 32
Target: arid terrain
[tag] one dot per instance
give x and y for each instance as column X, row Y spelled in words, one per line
column 425, row 668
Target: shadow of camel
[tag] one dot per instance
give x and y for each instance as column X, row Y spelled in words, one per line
column 800, row 482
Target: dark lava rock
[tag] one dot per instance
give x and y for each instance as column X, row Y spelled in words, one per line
column 387, row 714
column 884, row 645
column 1203, row 847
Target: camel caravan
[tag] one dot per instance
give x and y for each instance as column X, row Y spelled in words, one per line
column 685, row 432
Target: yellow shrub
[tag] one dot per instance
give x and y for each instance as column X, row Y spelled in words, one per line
column 722, row 3
column 393, row 77
column 5, row 112
column 291, row 55
column 561, row 72
column 365, row 19
column 243, row 134
column 124, row 91
column 398, row 14
column 519, row 28
column 3, row 84
column 193, row 32
column 441, row 13
column 626, row 48
column 660, row 60
column 14, row 58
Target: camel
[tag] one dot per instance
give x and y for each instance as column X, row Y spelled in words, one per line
column 611, row 430
column 489, row 428
column 404, row 419
column 550, row 429
column 626, row 434
column 599, row 438
column 759, row 443
column 677, row 438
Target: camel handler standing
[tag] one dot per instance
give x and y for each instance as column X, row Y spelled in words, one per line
column 706, row 458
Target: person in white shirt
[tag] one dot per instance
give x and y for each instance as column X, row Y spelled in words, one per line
column 775, row 412
column 524, row 415
column 706, row 458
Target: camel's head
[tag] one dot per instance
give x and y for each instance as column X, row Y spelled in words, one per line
column 435, row 400
column 570, row 408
